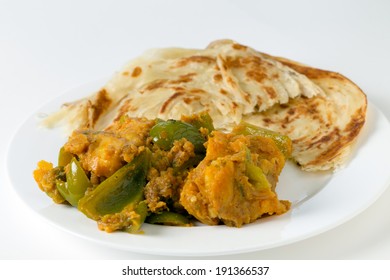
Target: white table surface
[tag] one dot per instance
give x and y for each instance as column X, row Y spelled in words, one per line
column 48, row 47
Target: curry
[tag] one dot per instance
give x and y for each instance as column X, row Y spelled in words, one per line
column 170, row 172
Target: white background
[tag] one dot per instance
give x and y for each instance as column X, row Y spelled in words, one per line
column 48, row 47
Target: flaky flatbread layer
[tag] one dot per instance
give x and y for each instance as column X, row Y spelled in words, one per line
column 321, row 128
column 226, row 79
column 321, row 111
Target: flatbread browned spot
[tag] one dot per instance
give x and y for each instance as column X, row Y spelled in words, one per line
column 170, row 99
column 195, row 59
column 136, row 72
column 239, row 47
column 183, row 79
column 101, row 104
column 217, row 77
column 271, row 92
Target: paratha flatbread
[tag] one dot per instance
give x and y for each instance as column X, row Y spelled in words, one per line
column 226, row 79
column 321, row 111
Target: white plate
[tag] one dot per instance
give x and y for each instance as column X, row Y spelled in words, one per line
column 321, row 201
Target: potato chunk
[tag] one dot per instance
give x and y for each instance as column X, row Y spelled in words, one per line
column 235, row 183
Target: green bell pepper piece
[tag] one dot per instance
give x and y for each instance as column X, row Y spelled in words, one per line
column 255, row 174
column 283, row 142
column 64, row 157
column 122, row 189
column 142, row 211
column 166, row 132
column 202, row 120
column 169, row 219
column 77, row 182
